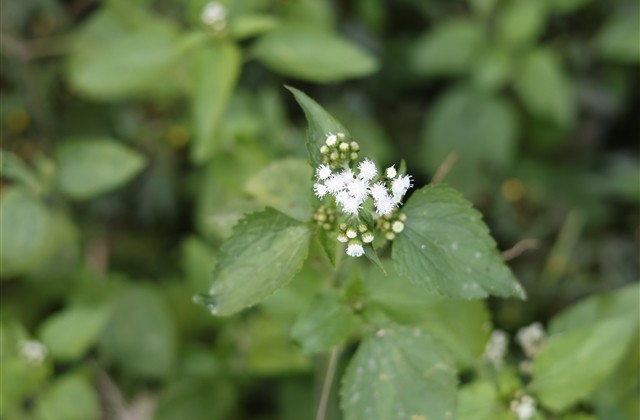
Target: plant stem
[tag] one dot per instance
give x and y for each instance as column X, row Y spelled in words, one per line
column 328, row 382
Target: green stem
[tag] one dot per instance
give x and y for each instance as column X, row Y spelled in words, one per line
column 328, row 382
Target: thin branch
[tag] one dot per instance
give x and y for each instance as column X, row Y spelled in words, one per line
column 444, row 168
column 328, row 382
column 519, row 248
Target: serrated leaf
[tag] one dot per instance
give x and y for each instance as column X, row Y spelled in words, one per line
column 215, row 72
column 69, row 334
column 286, row 186
column 264, row 252
column 90, row 167
column 313, row 55
column 399, row 373
column 571, row 365
column 327, row 323
column 321, row 123
column 445, row 247
column 448, row 49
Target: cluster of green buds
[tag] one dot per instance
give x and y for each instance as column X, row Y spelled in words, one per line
column 325, row 217
column 391, row 224
column 337, row 150
column 354, row 237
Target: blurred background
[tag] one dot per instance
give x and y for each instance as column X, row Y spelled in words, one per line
column 136, row 133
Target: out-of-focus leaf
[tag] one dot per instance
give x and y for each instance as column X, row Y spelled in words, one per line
column 198, row 262
column 26, row 239
column 492, row 71
column 11, row 167
column 618, row 39
column 571, row 365
column 447, row 50
column 263, row 254
column 544, row 88
column 567, row 6
column 399, row 373
column 141, row 336
column 327, row 323
column 215, row 71
column 313, row 55
column 477, row 401
column 91, row 167
column 69, row 398
column 192, row 399
column 284, row 185
column 70, row 333
column 446, row 247
column 521, row 22
column 246, row 26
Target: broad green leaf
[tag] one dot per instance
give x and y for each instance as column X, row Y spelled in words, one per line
column 286, row 186
column 449, row 49
column 109, row 61
column 192, row 399
column 69, row 334
column 481, row 130
column 249, row 25
column 332, row 248
column 141, row 336
column 571, row 365
column 399, row 373
column 321, row 124
column 91, row 167
column 13, row 168
column 26, row 238
column 622, row 303
column 69, row 398
column 312, row 55
column 477, row 401
column 521, row 22
column 327, row 323
column 198, row 262
column 618, row 39
column 263, row 253
column 544, row 88
column 215, row 72
column 445, row 247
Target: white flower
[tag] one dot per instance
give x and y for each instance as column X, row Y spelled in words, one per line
column 351, row 233
column 385, row 206
column 531, row 338
column 367, row 237
column 320, row 189
column 33, row 351
column 214, row 14
column 397, row 226
column 400, row 186
column 342, row 238
column 335, row 183
column 524, row 408
column 378, row 191
column 351, row 206
column 367, row 169
column 358, row 188
column 331, row 140
column 496, row 347
column 323, row 172
column 391, row 172
column 355, row 249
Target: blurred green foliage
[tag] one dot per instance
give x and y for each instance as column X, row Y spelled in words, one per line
column 135, row 135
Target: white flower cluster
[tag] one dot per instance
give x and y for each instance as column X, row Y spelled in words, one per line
column 496, row 347
column 350, row 190
column 531, row 338
column 523, row 407
column 350, row 237
column 33, row 351
column 214, row 15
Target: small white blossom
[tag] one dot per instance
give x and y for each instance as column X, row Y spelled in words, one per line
column 378, row 191
column 367, row 169
column 351, row 206
column 341, row 135
column 323, row 172
column 400, row 186
column 367, row 237
column 385, row 206
column 320, row 189
column 351, row 233
column 342, row 238
column 524, row 407
column 214, row 14
column 335, row 183
column 397, row 226
column 358, row 189
column 496, row 347
column 331, row 140
column 33, row 351
column 531, row 338
column 391, row 172
column 355, row 249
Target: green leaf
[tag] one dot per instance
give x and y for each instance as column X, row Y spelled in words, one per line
column 262, row 255
column 572, row 364
column 330, row 245
column 215, row 72
column 448, row 49
column 521, row 22
column 91, row 167
column 249, row 25
column 198, row 262
column 69, row 398
column 286, row 186
column 26, row 239
column 618, row 39
column 312, row 55
column 327, row 323
column 321, row 124
column 399, row 373
column 13, row 168
column 69, row 334
column 141, row 336
column 567, row 6
column 191, row 399
column 477, row 401
column 544, row 88
column 481, row 130
column 446, row 248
